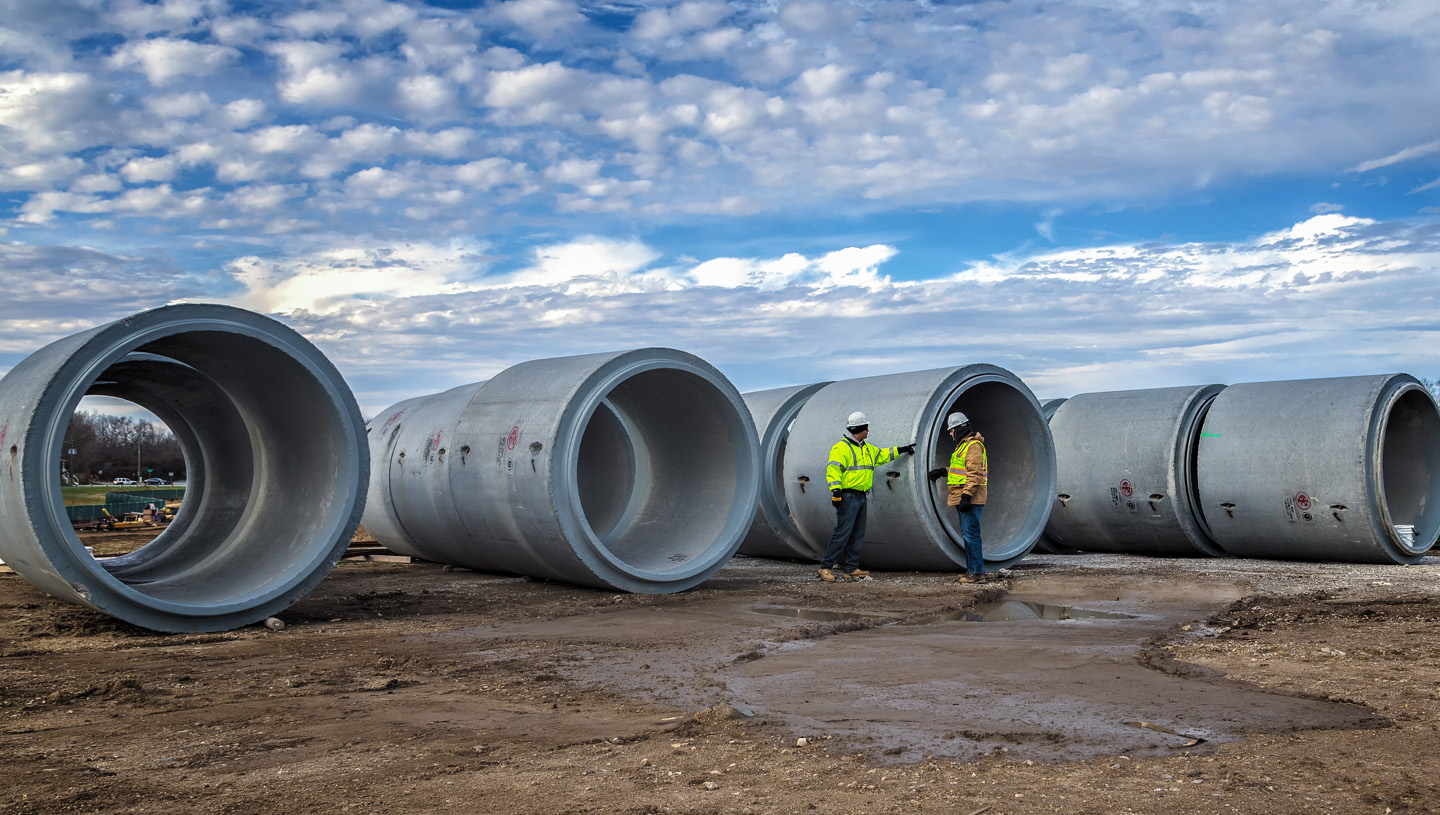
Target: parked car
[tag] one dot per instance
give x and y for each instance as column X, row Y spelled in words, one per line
column 154, row 482
column 124, row 482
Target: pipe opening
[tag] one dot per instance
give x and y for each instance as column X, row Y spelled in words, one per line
column 1409, row 466
column 656, row 469
column 607, row 472
column 260, row 437
column 1013, row 431
column 117, row 468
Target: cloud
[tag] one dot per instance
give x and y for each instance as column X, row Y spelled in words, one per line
column 682, row 18
column 47, row 113
column 1417, row 151
column 540, row 18
column 325, row 282
column 164, row 60
column 55, row 291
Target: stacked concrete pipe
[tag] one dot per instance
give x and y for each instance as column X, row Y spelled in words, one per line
column 773, row 533
column 910, row 527
column 1322, row 469
column 635, row 471
column 1125, row 464
column 275, row 454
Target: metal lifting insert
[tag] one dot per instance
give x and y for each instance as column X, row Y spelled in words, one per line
column 635, row 471
column 275, row 455
column 774, row 534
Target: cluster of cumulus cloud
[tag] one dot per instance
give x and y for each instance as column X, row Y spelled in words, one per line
column 339, row 113
column 417, row 317
column 362, row 167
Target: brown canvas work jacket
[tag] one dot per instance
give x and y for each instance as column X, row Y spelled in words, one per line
column 969, row 472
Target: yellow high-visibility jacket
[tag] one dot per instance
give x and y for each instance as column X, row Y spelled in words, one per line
column 969, row 471
column 852, row 466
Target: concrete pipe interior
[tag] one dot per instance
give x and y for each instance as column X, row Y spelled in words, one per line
column 1410, row 467
column 1009, row 423
column 656, row 469
column 275, row 455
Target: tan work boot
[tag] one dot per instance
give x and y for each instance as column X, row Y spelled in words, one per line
column 970, row 578
column 827, row 575
column 857, row 574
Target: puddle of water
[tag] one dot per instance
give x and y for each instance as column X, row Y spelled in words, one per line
column 1015, row 610
column 819, row 614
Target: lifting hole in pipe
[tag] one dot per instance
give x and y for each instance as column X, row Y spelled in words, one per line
column 656, row 469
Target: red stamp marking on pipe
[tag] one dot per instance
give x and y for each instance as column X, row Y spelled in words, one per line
column 512, row 438
column 1126, row 488
column 1302, row 500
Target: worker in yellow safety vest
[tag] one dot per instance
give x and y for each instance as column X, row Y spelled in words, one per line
column 967, row 479
column 850, row 473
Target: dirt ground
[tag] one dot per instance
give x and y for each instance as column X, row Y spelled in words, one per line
column 1080, row 684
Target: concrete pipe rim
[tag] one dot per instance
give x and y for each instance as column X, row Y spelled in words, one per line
column 772, row 455
column 1041, row 498
column 1401, row 388
column 98, row 587
column 598, row 394
column 1187, row 447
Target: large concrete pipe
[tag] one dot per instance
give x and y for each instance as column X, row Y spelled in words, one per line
column 773, row 533
column 1322, row 469
column 275, row 455
column 635, row 471
column 1125, row 472
column 909, row 526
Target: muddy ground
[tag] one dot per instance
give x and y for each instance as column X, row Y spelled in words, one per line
column 1081, row 684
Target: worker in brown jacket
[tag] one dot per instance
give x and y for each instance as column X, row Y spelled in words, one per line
column 967, row 480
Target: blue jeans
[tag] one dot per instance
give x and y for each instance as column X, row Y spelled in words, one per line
column 844, row 547
column 970, row 534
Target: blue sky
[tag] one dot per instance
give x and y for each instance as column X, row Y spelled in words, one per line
column 1095, row 195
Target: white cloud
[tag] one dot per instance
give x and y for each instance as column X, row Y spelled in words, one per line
column 541, row 18
column 163, row 60
column 242, row 113
column 325, row 282
column 1417, row 151
column 40, row 174
column 47, row 113
column 147, row 169
column 683, row 18
column 426, row 94
column 179, row 106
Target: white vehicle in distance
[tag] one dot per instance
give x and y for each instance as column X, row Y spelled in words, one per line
column 124, row 482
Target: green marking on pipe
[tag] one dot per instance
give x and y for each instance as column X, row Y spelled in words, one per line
column 1211, row 435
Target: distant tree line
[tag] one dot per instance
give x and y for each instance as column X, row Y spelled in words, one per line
column 1431, row 385
column 106, row 448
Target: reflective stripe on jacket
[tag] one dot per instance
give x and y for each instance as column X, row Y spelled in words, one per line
column 969, row 472
column 852, row 466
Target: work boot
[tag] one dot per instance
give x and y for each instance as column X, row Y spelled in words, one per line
column 827, row 575
column 857, row 573
column 970, row 578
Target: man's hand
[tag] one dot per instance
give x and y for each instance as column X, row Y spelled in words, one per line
column 906, row 448
column 965, row 504
column 835, row 496
column 935, row 473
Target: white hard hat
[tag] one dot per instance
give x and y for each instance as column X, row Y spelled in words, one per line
column 857, row 419
column 955, row 420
